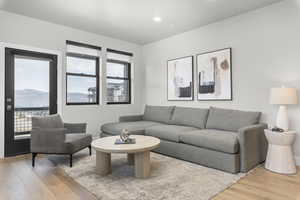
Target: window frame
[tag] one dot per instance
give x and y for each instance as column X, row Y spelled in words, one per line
column 120, row 78
column 97, row 71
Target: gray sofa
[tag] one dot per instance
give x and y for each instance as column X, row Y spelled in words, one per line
column 229, row 140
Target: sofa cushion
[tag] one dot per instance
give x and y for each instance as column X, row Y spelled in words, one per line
column 75, row 142
column 195, row 117
column 158, row 113
column 168, row 132
column 223, row 141
column 50, row 121
column 135, row 128
column 230, row 120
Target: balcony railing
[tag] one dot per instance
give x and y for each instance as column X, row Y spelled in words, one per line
column 23, row 123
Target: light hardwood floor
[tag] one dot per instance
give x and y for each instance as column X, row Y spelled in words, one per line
column 263, row 184
column 18, row 180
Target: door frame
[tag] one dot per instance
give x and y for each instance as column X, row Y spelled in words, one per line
column 60, row 85
column 14, row 147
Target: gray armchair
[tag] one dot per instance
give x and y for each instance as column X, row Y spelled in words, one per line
column 50, row 135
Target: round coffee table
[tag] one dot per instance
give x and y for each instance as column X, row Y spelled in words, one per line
column 137, row 154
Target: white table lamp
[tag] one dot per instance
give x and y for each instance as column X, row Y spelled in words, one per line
column 283, row 96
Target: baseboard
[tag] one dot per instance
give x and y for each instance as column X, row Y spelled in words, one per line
column 297, row 159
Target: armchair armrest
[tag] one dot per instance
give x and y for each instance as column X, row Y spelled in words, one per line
column 253, row 146
column 75, row 127
column 47, row 140
column 131, row 118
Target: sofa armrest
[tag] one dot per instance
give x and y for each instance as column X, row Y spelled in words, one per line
column 131, row 118
column 75, row 127
column 44, row 139
column 253, row 146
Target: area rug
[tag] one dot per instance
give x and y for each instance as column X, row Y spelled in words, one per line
column 171, row 179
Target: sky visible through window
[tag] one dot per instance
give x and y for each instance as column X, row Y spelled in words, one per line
column 31, row 74
column 116, row 70
column 31, row 82
column 80, row 65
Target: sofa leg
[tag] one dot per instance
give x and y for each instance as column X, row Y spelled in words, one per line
column 33, row 158
column 71, row 160
column 90, row 149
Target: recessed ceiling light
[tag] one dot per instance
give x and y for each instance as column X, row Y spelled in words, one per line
column 157, row 19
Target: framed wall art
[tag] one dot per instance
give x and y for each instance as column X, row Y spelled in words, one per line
column 214, row 75
column 180, row 79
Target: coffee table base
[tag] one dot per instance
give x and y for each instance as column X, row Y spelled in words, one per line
column 103, row 163
column 142, row 164
column 141, row 160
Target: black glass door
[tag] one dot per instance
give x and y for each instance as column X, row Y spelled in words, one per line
column 30, row 90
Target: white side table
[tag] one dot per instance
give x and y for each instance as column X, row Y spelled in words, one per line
column 280, row 156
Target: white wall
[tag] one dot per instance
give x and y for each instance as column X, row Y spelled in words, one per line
column 33, row 33
column 266, row 53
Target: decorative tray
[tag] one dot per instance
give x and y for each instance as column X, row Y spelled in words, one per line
column 129, row 141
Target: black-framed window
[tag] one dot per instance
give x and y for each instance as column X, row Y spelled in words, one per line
column 82, row 73
column 118, row 77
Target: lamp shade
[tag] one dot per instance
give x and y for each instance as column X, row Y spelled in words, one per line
column 283, row 96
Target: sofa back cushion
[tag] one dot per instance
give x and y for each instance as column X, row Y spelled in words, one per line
column 158, row 113
column 194, row 117
column 230, row 120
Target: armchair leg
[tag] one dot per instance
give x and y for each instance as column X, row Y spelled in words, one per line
column 33, row 158
column 71, row 160
column 90, row 149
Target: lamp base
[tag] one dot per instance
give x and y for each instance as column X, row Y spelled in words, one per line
column 282, row 118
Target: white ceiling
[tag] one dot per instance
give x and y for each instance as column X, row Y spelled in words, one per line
column 131, row 20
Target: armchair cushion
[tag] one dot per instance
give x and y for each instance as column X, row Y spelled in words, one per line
column 51, row 121
column 76, row 142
